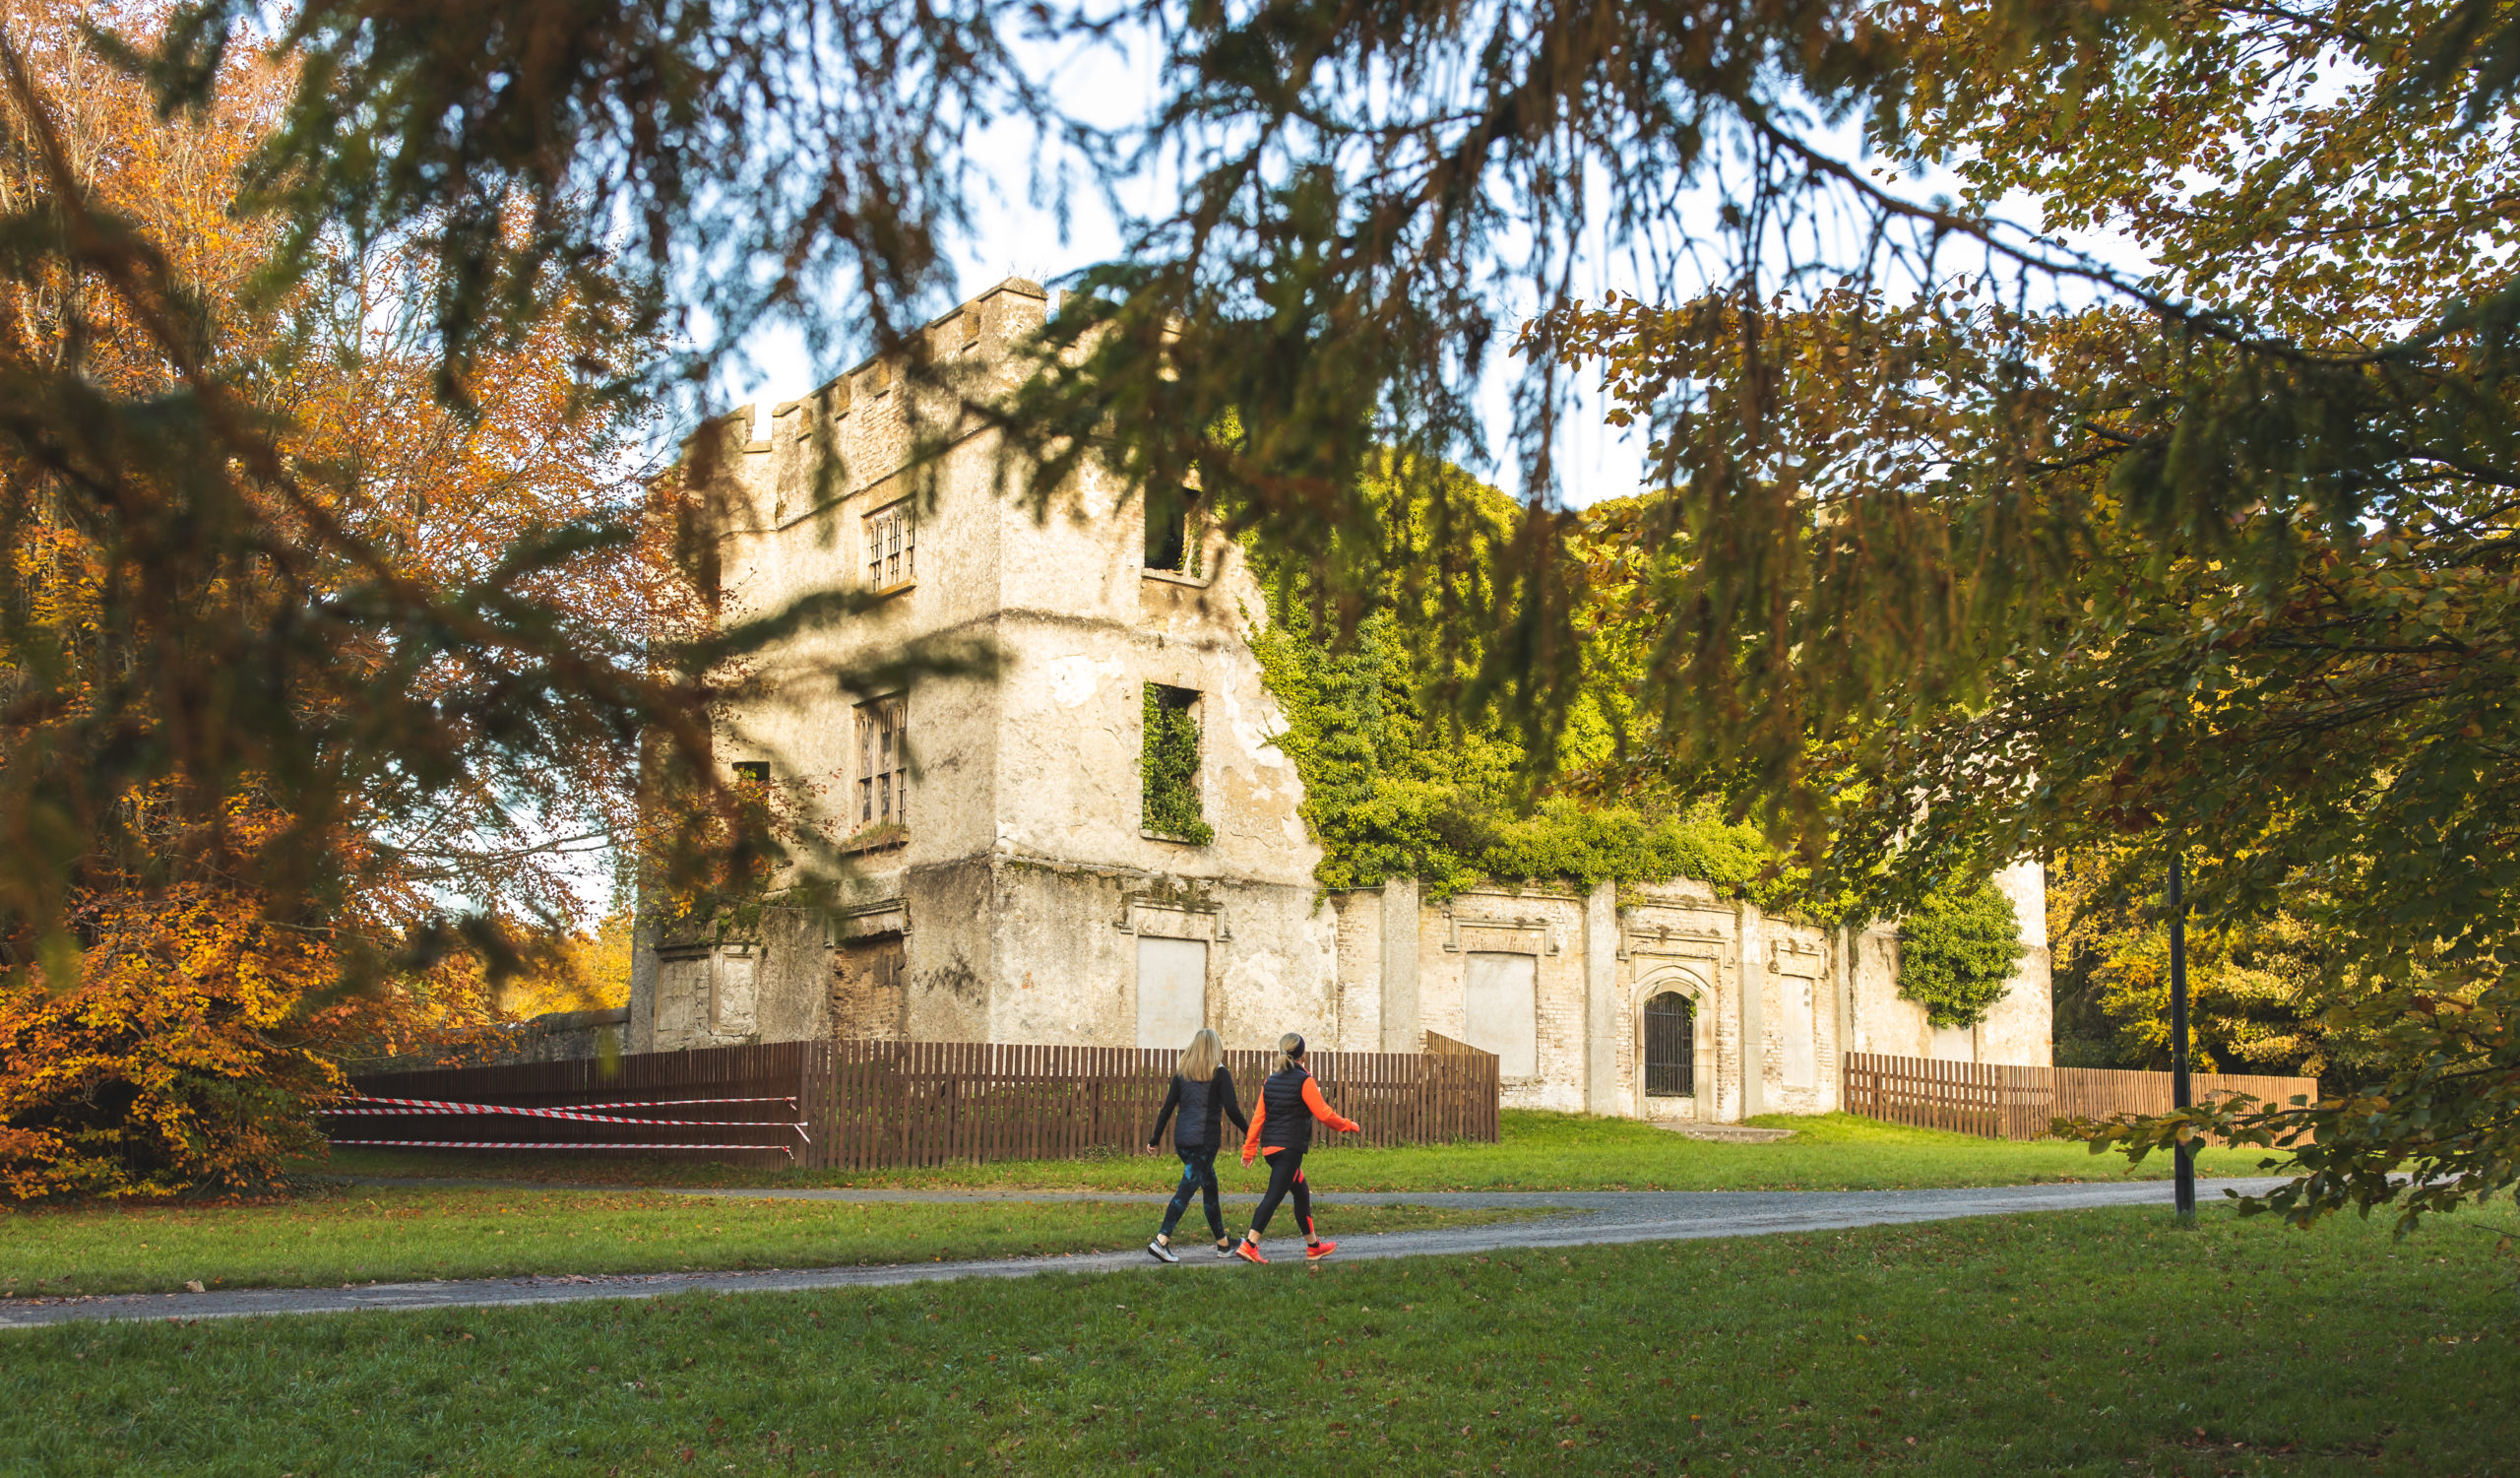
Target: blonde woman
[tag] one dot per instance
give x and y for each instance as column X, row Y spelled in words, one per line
column 1281, row 1129
column 1203, row 1092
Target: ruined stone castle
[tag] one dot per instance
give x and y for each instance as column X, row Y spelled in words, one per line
column 1010, row 889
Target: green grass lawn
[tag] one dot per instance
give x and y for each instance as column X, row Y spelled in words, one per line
column 1536, row 1151
column 2108, row 1342
column 390, row 1235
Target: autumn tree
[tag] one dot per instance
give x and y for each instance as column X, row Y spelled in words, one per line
column 188, row 957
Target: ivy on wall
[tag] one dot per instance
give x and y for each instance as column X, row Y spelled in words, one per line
column 1957, row 951
column 1168, row 768
column 1391, row 793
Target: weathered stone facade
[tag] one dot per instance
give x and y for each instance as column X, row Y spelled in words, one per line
column 1008, row 889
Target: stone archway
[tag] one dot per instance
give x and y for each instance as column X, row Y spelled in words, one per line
column 1673, row 1013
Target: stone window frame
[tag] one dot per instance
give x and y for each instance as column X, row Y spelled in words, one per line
column 892, row 546
column 879, row 796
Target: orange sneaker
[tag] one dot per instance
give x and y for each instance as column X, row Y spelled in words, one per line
column 1248, row 1252
column 1317, row 1251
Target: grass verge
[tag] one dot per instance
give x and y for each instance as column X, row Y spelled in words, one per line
column 2106, row 1342
column 389, row 1236
column 1536, row 1151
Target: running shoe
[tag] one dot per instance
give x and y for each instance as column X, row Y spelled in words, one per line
column 1161, row 1254
column 1315, row 1252
column 1225, row 1249
column 1248, row 1252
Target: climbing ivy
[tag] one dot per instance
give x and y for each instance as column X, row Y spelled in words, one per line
column 1391, row 793
column 1957, row 951
column 1169, row 769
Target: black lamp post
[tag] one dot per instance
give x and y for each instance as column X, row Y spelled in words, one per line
column 2183, row 1155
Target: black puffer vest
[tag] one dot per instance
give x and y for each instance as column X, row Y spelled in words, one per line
column 1289, row 1125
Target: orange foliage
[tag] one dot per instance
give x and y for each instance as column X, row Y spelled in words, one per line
column 181, row 1027
column 177, row 1057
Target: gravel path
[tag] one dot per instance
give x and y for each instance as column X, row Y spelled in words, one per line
column 1593, row 1218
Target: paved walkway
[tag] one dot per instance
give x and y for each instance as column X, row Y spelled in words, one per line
column 1592, row 1218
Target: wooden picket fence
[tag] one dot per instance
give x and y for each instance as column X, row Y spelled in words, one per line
column 870, row 1104
column 936, row 1103
column 2002, row 1102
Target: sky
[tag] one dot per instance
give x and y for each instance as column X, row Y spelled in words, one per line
column 1112, row 85
column 1015, row 237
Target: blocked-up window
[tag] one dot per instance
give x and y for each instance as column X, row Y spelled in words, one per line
column 883, row 762
column 705, row 994
column 732, row 1004
column 1500, row 1010
column 1798, row 1033
column 892, row 537
column 869, row 998
column 1172, row 992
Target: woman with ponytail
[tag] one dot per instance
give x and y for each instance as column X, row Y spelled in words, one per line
column 1202, row 1090
column 1281, row 1129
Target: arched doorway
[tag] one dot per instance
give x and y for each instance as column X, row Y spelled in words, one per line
column 1670, row 1046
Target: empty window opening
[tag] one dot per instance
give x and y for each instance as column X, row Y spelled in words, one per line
column 1670, row 1046
column 892, row 537
column 1169, row 765
column 883, row 763
column 1167, row 527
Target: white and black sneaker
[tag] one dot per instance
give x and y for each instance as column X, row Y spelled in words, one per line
column 1225, row 1250
column 1161, row 1254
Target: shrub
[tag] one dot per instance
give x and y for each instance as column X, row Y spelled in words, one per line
column 1957, row 952
column 166, row 1056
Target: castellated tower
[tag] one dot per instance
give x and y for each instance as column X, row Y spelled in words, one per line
column 1009, row 885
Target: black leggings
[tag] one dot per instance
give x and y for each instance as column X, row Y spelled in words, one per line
column 1199, row 1174
column 1286, row 1172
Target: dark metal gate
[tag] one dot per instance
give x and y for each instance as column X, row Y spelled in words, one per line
column 1670, row 1046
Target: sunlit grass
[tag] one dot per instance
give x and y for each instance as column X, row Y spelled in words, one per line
column 1538, row 1151
column 2083, row 1343
column 391, row 1234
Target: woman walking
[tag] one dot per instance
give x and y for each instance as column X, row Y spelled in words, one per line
column 1281, row 1129
column 1203, row 1092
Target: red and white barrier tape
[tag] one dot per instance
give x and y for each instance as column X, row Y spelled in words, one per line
column 456, row 1108
column 568, row 1114
column 485, row 1144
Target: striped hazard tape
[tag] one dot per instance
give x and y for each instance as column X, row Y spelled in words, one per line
column 442, row 1107
column 429, row 1108
column 489, row 1144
